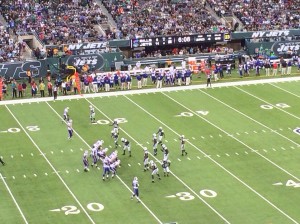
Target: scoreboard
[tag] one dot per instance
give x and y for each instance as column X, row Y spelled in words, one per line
column 175, row 40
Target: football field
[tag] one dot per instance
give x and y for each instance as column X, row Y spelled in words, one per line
column 242, row 165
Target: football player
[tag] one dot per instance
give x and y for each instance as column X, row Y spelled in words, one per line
column 92, row 114
column 166, row 152
column 98, row 144
column 154, row 169
column 113, row 167
column 126, row 146
column 166, row 164
column 70, row 128
column 182, row 145
column 135, row 186
column 105, row 168
column 85, row 161
column 160, row 133
column 115, row 136
column 115, row 126
column 66, row 114
column 155, row 143
column 146, row 159
column 95, row 157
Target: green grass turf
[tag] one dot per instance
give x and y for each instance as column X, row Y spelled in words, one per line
column 237, row 151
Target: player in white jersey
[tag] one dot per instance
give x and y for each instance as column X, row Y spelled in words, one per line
column 160, row 133
column 126, row 146
column 70, row 128
column 182, row 145
column 154, row 169
column 155, row 143
column 166, row 164
column 165, row 152
column 92, row 114
column 94, row 154
column 135, row 188
column 98, row 144
column 85, row 161
column 146, row 159
column 106, row 169
column 113, row 167
column 115, row 125
column 66, row 114
column 115, row 136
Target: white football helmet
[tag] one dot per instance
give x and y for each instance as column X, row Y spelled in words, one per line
column 154, row 135
column 91, row 106
column 135, row 178
column 160, row 128
column 122, row 139
column 182, row 136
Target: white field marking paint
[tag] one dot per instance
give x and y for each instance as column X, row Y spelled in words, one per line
column 21, row 155
column 237, row 133
column 198, row 157
column 175, row 139
column 278, row 184
column 53, row 168
column 193, row 138
column 167, row 140
column 139, row 164
column 181, row 181
column 265, row 150
column 202, row 137
column 236, row 153
column 283, row 148
column 227, row 154
column 274, row 149
column 24, row 176
column 67, row 171
column 255, row 132
column 31, row 154
column 34, row 175
column 260, row 99
column 247, row 146
column 292, row 147
column 264, row 130
column 46, row 174
column 211, row 136
column 145, row 206
column 246, row 152
column 13, row 198
column 129, row 165
column 179, row 159
column 246, row 133
column 78, row 170
column 220, row 136
column 218, row 155
column 71, row 150
column 188, row 158
column 250, row 118
column 280, row 129
column 148, row 143
column 245, row 184
column 12, row 156
column 51, row 152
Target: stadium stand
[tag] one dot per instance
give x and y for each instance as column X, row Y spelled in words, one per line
column 54, row 22
column 272, row 15
column 151, row 18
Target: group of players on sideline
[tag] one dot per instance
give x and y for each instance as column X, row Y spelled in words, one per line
column 91, row 81
column 111, row 162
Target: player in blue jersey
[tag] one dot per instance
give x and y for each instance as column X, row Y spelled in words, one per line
column 126, row 146
column 154, row 169
column 85, row 161
column 70, row 128
column 135, row 188
column 92, row 114
column 106, row 168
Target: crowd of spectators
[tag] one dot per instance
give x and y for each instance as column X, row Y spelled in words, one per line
column 141, row 18
column 261, row 14
column 54, row 22
column 10, row 49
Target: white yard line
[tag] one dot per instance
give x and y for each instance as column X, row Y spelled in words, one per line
column 278, row 108
column 181, row 181
column 53, row 168
column 145, row 206
column 13, row 198
column 250, row 118
column 218, row 164
column 285, row 90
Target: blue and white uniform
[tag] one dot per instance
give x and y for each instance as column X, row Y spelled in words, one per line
column 66, row 114
column 106, row 168
column 135, row 188
column 70, row 128
column 92, row 114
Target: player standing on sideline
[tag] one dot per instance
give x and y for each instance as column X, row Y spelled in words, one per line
column 115, row 136
column 135, row 186
column 126, row 145
column 66, row 114
column 160, row 134
column 146, row 159
column 1, row 161
column 182, row 145
column 85, row 161
column 155, row 143
column 70, row 128
column 92, row 114
column 154, row 169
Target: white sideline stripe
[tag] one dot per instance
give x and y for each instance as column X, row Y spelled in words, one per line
column 245, row 184
column 218, row 164
column 116, row 174
column 250, row 118
column 146, row 91
column 160, row 162
column 64, row 183
column 206, row 203
column 13, row 198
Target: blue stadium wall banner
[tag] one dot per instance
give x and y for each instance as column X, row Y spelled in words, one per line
column 284, row 47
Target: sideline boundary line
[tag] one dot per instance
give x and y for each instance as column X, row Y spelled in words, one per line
column 215, row 162
column 53, row 168
column 152, row 90
column 15, row 201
